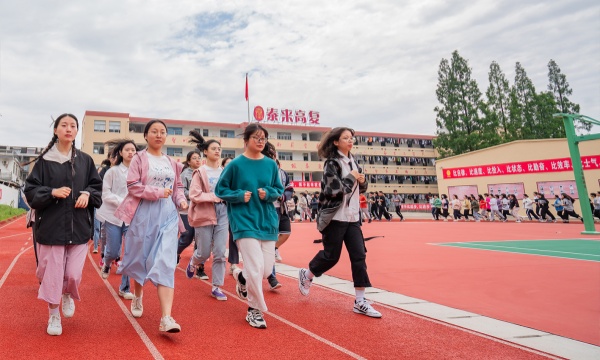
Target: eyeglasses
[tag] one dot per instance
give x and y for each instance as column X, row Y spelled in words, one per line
column 352, row 139
column 260, row 140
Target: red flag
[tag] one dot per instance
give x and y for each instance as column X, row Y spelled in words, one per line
column 246, row 86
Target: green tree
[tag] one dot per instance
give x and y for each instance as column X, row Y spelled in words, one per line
column 560, row 89
column 522, row 105
column 497, row 107
column 460, row 126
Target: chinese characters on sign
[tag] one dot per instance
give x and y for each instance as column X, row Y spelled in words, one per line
column 287, row 116
column 306, row 184
column 523, row 167
column 416, row 207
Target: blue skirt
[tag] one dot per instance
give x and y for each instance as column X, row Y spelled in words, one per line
column 151, row 243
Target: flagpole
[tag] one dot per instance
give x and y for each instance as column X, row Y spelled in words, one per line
column 248, row 97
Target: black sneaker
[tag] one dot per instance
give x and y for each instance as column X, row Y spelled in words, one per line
column 273, row 283
column 200, row 274
column 255, row 318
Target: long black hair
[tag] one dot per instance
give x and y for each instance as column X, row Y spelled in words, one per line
column 201, row 144
column 251, row 129
column 115, row 146
column 55, row 139
column 269, row 151
column 326, row 148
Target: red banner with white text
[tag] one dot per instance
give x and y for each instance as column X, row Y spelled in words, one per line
column 523, row 167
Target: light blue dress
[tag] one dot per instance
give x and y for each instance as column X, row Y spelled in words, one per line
column 151, row 241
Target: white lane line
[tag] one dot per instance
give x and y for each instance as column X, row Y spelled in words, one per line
column 12, row 264
column 145, row 339
column 10, row 223
column 25, row 233
column 514, row 252
column 289, row 323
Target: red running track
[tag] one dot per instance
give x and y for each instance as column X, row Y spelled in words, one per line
column 321, row 325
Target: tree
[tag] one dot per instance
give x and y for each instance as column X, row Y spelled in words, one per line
column 460, row 126
column 560, row 89
column 496, row 109
column 522, row 105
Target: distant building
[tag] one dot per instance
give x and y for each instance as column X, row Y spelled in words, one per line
column 12, row 175
column 400, row 162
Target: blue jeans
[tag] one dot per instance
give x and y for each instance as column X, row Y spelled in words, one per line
column 114, row 241
column 96, row 231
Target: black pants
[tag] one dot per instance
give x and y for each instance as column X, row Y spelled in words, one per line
column 545, row 212
column 399, row 212
column 597, row 213
column 572, row 213
column 234, row 256
column 531, row 214
column 466, row 214
column 382, row 211
column 335, row 235
column 186, row 237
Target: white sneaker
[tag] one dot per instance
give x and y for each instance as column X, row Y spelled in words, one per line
column 304, row 282
column 277, row 256
column 54, row 326
column 105, row 271
column 255, row 318
column 137, row 309
column 240, row 290
column 168, row 324
column 127, row 295
column 68, row 306
column 364, row 307
column 232, row 268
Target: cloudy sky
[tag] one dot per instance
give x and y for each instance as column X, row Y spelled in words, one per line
column 369, row 64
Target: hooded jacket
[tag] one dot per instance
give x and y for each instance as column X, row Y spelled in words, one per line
column 202, row 207
column 57, row 221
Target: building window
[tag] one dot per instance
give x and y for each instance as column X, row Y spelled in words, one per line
column 284, row 136
column 99, row 125
column 204, row 132
column 99, row 148
column 227, row 154
column 305, row 156
column 227, row 134
column 174, row 131
column 307, row 177
column 114, row 126
column 174, row 151
column 304, row 137
column 136, row 128
column 285, row 156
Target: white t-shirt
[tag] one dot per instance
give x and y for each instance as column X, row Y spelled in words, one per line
column 160, row 172
column 493, row 204
column 213, row 175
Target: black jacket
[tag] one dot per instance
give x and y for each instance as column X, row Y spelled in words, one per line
column 57, row 221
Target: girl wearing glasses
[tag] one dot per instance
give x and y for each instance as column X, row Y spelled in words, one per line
column 155, row 192
column 250, row 184
column 339, row 217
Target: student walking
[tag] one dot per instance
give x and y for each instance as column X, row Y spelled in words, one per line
column 208, row 215
column 596, row 204
column 494, row 208
column 569, row 209
column 445, row 206
column 63, row 188
column 456, row 206
column 466, row 204
column 397, row 201
column 339, row 217
column 363, row 207
column 154, row 194
column 114, row 191
column 544, row 212
column 514, row 207
column 483, row 206
column 528, row 205
column 250, row 184
column 558, row 206
column 192, row 162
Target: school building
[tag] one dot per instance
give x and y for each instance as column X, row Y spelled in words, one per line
column 520, row 167
column 402, row 162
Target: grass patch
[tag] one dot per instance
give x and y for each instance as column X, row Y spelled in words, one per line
column 6, row 212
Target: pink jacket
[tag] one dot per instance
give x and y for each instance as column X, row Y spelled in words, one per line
column 138, row 190
column 202, row 201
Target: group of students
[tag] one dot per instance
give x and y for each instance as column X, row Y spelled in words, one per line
column 488, row 207
column 151, row 209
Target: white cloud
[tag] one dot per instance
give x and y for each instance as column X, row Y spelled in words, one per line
column 369, row 65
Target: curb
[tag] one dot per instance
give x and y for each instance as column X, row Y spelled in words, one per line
column 2, row 222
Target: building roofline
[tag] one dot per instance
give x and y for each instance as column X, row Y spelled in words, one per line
column 499, row 146
column 106, row 113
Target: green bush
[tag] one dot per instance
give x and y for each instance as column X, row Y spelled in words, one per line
column 6, row 212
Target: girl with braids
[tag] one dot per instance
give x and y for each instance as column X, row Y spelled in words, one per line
column 63, row 188
column 250, row 184
column 114, row 191
column 192, row 162
column 339, row 217
column 208, row 215
column 154, row 194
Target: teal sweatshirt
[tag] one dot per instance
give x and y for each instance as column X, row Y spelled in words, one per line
column 257, row 218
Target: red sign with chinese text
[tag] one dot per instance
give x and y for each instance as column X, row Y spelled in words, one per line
column 523, row 167
column 416, row 207
column 287, row 116
column 306, row 184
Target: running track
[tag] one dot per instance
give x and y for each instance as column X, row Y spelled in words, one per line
column 321, row 325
